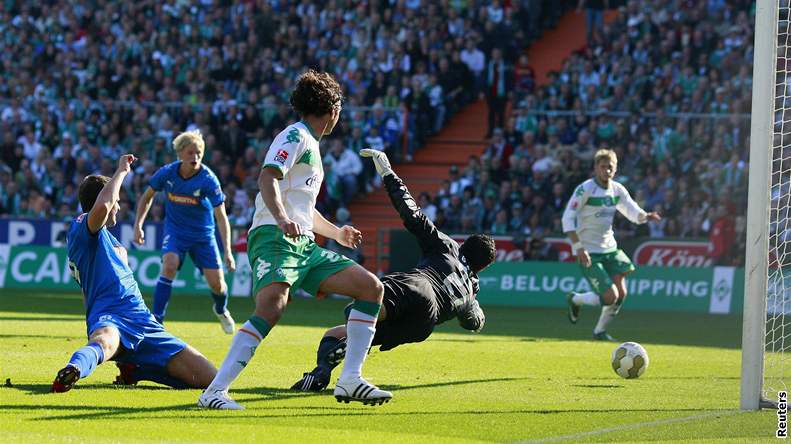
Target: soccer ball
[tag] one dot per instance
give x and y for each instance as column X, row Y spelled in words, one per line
column 629, row 360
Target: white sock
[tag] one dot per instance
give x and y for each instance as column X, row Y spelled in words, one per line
column 243, row 346
column 587, row 298
column 608, row 313
column 360, row 329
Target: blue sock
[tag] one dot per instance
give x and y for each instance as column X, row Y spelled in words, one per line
column 87, row 358
column 159, row 375
column 161, row 297
column 220, row 302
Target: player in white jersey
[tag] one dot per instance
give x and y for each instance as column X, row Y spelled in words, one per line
column 283, row 253
column 587, row 221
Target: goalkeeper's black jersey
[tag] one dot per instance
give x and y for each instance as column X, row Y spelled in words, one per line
column 442, row 277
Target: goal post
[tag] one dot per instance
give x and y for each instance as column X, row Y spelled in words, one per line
column 766, row 139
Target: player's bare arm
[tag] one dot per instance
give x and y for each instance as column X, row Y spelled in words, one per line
column 107, row 200
column 225, row 234
column 143, row 206
column 270, row 193
column 346, row 235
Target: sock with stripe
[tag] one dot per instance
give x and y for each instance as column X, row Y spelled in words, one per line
column 243, row 347
column 220, row 302
column 360, row 330
column 587, row 298
column 87, row 358
column 161, row 298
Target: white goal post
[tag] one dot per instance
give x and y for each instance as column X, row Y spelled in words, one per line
column 766, row 170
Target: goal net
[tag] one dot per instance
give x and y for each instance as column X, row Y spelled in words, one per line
column 778, row 295
column 768, row 260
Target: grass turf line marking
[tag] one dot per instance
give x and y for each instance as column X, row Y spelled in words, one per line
column 639, row 425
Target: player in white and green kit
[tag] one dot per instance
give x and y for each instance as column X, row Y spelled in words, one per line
column 587, row 221
column 283, row 253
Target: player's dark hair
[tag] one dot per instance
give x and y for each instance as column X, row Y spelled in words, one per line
column 479, row 251
column 315, row 94
column 89, row 190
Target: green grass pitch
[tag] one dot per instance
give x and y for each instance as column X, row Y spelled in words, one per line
column 530, row 376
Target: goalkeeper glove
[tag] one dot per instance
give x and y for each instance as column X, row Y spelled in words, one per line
column 381, row 162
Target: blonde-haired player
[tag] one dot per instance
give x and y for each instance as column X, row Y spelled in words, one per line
column 194, row 201
column 587, row 221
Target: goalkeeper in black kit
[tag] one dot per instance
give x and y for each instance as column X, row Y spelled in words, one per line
column 443, row 286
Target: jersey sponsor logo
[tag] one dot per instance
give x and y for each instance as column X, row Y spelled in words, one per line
column 169, row 183
column 606, row 213
column 281, row 157
column 183, row 200
column 312, row 181
column 196, row 193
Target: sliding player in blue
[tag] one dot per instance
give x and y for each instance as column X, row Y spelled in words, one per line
column 120, row 327
column 193, row 202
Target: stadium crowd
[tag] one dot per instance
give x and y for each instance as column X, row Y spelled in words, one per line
column 668, row 87
column 84, row 81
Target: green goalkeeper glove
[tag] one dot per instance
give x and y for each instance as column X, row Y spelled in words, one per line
column 381, row 162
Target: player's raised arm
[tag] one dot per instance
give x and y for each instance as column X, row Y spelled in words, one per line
column 414, row 220
column 108, row 197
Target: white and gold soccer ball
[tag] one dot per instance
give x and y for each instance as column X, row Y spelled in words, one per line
column 629, row 360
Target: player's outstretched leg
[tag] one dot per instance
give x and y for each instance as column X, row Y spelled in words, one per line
column 102, row 344
column 270, row 302
column 330, row 353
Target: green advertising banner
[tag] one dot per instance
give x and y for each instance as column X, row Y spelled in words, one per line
column 47, row 268
column 716, row 290
column 535, row 284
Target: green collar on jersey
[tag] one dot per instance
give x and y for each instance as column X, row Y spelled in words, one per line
column 310, row 130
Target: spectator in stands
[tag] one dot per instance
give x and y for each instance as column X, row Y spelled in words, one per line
column 121, row 86
column 498, row 87
column 347, row 166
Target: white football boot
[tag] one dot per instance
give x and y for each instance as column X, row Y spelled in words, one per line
column 218, row 399
column 361, row 390
column 226, row 321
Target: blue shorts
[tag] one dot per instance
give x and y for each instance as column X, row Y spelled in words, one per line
column 144, row 341
column 204, row 252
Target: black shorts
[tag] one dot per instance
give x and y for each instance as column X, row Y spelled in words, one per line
column 410, row 318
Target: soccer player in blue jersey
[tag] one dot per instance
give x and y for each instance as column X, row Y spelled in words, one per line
column 193, row 202
column 120, row 327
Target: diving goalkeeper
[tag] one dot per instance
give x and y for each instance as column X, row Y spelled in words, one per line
column 443, row 286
